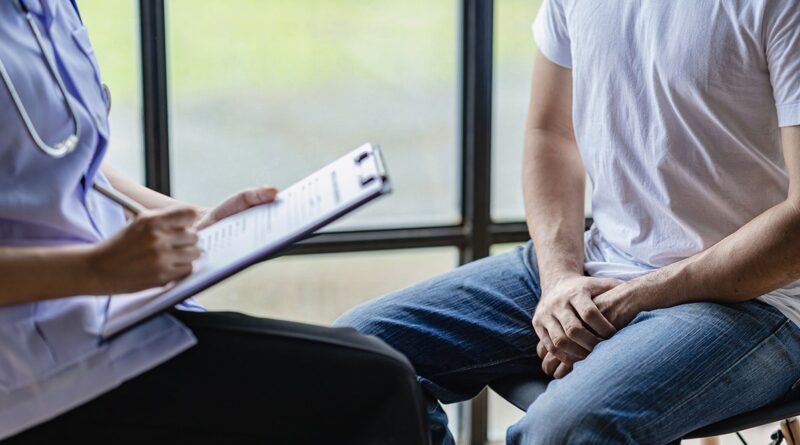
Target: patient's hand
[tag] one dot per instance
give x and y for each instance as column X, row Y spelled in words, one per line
column 551, row 365
column 568, row 322
column 235, row 204
column 618, row 305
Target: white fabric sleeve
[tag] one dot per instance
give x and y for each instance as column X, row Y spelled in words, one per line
column 550, row 33
column 782, row 34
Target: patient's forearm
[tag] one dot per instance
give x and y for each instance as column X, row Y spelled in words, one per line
column 553, row 184
column 33, row 274
column 760, row 257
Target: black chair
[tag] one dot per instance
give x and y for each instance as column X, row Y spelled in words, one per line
column 521, row 391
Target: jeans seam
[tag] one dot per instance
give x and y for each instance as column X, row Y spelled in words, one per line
column 481, row 365
column 712, row 381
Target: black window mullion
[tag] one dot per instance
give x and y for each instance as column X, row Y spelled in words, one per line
column 476, row 135
column 381, row 239
column 153, row 36
column 476, row 125
column 476, row 234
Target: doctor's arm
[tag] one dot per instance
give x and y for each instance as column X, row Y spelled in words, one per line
column 148, row 198
column 763, row 255
column 156, row 248
column 151, row 199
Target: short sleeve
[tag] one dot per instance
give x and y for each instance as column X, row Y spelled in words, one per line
column 550, row 33
column 782, row 35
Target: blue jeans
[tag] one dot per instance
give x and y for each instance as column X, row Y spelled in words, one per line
column 668, row 372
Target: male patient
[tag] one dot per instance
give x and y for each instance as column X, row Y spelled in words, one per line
column 680, row 306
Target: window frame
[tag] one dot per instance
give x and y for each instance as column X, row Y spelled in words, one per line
column 473, row 236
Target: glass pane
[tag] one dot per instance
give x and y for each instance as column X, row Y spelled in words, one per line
column 113, row 27
column 319, row 288
column 501, row 416
column 515, row 50
column 455, row 418
column 267, row 91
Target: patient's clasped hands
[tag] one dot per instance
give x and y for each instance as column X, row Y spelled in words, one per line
column 573, row 315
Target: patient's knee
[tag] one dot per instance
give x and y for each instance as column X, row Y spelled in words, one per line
column 365, row 318
column 570, row 420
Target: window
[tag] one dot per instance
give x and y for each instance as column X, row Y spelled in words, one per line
column 501, row 416
column 268, row 91
column 115, row 39
column 514, row 55
column 515, row 50
column 319, row 288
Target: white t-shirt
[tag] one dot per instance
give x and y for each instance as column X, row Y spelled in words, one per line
column 677, row 109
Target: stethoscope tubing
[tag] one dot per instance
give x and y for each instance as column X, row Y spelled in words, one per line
column 69, row 144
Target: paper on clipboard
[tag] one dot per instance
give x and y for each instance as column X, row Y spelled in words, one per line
column 260, row 232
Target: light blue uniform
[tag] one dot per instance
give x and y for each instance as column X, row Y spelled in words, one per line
column 50, row 358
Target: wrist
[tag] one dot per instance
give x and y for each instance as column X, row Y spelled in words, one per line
column 553, row 278
column 86, row 263
column 620, row 304
column 663, row 287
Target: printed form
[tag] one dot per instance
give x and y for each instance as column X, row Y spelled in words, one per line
column 294, row 209
column 257, row 233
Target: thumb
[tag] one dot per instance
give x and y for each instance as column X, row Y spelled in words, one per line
column 240, row 202
column 249, row 198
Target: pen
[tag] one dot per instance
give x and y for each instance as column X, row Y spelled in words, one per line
column 126, row 203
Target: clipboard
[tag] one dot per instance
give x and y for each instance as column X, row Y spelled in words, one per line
column 261, row 233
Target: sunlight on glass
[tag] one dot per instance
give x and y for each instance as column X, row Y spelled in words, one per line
column 270, row 90
column 319, row 288
column 515, row 50
column 114, row 31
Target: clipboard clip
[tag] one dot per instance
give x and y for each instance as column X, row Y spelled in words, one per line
column 378, row 171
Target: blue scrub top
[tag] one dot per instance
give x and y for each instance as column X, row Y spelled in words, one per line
column 50, row 358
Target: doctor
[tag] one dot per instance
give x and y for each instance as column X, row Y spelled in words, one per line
column 194, row 376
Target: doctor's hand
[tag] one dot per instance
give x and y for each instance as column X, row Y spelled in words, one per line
column 569, row 323
column 235, row 204
column 156, row 248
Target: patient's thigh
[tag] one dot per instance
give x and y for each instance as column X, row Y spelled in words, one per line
column 669, row 372
column 463, row 328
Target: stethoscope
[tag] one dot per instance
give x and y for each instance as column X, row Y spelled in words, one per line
column 69, row 144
